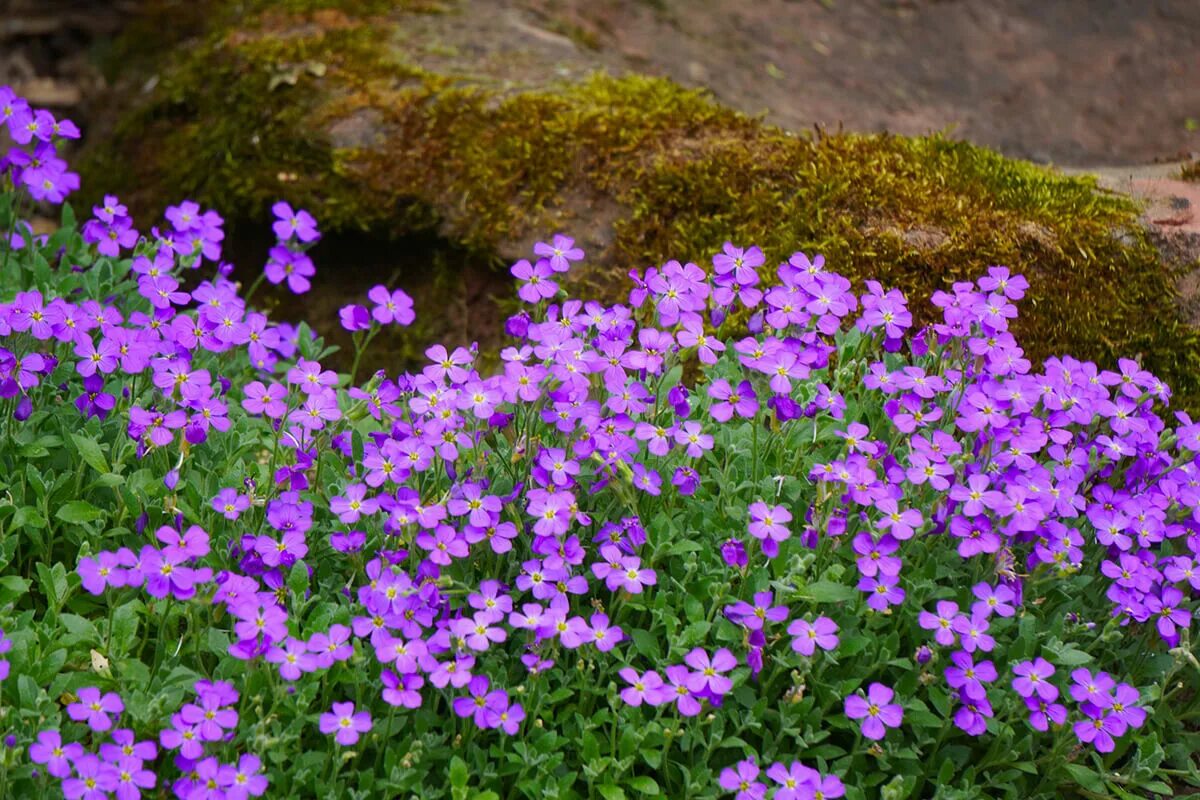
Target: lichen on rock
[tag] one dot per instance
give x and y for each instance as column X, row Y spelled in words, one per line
column 403, row 120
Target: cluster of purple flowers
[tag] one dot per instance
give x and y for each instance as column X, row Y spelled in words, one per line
column 701, row 677
column 123, row 766
column 33, row 161
column 391, row 306
column 1108, row 708
column 170, row 570
column 295, row 232
column 793, row 781
column 537, row 279
column 468, row 516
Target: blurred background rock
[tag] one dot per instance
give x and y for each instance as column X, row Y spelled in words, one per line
column 437, row 139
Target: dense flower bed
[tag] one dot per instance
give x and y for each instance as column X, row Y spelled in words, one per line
column 830, row 556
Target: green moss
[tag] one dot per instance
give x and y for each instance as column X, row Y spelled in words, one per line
column 676, row 174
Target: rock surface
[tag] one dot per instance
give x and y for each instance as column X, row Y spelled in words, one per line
column 484, row 125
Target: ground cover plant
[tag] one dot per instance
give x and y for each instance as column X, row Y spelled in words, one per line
column 651, row 556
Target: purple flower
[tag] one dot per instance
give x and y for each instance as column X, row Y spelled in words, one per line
column 331, row 647
column 133, row 778
column 882, row 591
column 56, row 756
column 973, row 634
column 647, row 688
column 1042, row 713
column 968, row 677
column 875, row 556
column 475, row 705
column 741, row 401
column 733, row 553
column 678, row 676
column 807, row 637
column 1123, row 708
column 269, row 400
column 208, row 716
column 296, row 268
column 402, row 690
column 602, row 634
column 504, row 714
column 900, row 524
column 293, row 658
column 355, row 318
column 106, row 569
column 95, row 709
column 243, row 780
column 754, row 616
column 95, row 402
column 538, row 284
column 559, row 253
column 354, row 504
column 1033, row 679
column 391, row 306
column 972, row 714
column 647, row 480
column 686, row 480
column 1092, row 689
column 229, row 504
column 941, row 623
column 742, row 779
column 993, row 600
column 1100, row 729
column 709, row 677
column 1171, row 616
column 299, row 224
column 795, row 781
column 93, row 780
column 345, row 723
column 876, row 710
column 769, row 525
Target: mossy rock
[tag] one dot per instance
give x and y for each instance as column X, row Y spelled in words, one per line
column 411, row 121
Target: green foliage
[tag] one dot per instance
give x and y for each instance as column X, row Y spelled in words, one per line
column 70, row 488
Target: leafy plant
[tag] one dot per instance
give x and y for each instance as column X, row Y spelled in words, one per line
column 837, row 556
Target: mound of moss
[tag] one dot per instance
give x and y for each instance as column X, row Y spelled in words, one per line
column 372, row 116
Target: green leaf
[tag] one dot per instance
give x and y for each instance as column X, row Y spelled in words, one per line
column 78, row 512
column 684, row 546
column 298, row 579
column 1085, row 777
column 12, row 587
column 1158, row 787
column 28, row 691
column 79, row 629
column 611, row 792
column 645, row 643
column 124, row 630
column 828, row 592
column 53, row 583
column 91, row 453
column 1071, row 657
column 644, row 784
column 28, row 517
column 458, row 773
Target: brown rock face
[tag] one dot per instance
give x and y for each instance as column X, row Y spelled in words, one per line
column 489, row 125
